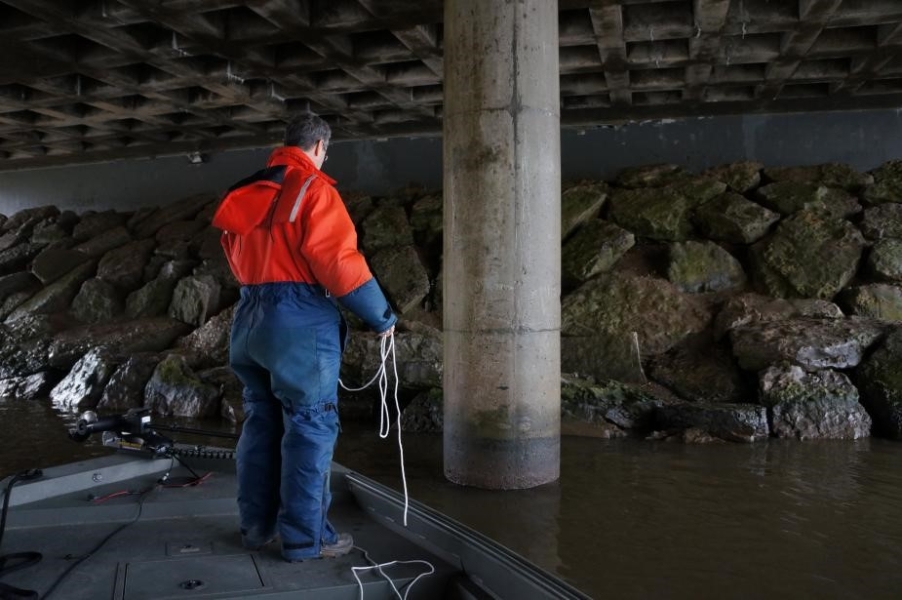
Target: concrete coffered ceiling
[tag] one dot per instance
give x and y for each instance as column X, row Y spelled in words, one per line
column 89, row 80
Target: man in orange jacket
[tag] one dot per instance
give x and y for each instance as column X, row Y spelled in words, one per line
column 292, row 246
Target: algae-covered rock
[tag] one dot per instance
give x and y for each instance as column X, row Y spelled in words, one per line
column 812, row 405
column 880, row 301
column 386, row 227
column 884, row 221
column 885, row 260
column 789, row 197
column 808, row 256
column 427, row 220
column 806, row 342
column 703, row 267
column 744, row 309
column 620, row 304
column 732, row 218
column 887, row 185
column 402, row 276
column 650, row 176
column 594, row 248
column 834, row 175
column 604, row 356
column 879, row 380
column 656, row 213
column 729, row 422
column 174, row 390
column 580, row 204
column 701, row 373
column 741, row 177
column 629, row 407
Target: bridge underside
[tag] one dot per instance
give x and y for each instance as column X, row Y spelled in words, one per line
column 99, row 79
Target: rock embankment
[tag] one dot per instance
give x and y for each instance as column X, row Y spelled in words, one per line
column 737, row 304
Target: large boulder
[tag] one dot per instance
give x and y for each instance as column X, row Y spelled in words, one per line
column 656, row 213
column 174, row 390
column 24, row 344
column 57, row 296
column 878, row 300
column 729, row 422
column 879, row 380
column 812, row 405
column 427, row 221
column 94, row 224
column 29, row 387
column 97, row 300
column 885, row 260
column 789, row 197
column 53, row 263
column 230, row 389
column 385, row 227
column 701, row 371
column 17, row 257
column 809, row 343
column 151, row 300
column 808, row 256
column 194, row 299
column 359, row 205
column 147, row 223
column 621, row 304
column 580, row 204
column 120, row 338
column 124, row 267
column 27, row 218
column 744, row 309
column 884, row 221
column 703, row 267
column 177, row 239
column 125, row 388
column 887, row 185
column 23, row 281
column 626, row 406
column 835, row 175
column 82, row 387
column 99, row 245
column 418, row 354
column 208, row 345
column 594, row 248
column 604, row 356
column 425, row 413
column 402, row 276
column 732, row 218
column 740, row 177
column 650, row 176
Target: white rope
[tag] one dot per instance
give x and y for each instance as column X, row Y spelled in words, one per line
column 386, row 350
column 378, row 568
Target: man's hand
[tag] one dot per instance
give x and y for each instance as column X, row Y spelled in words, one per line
column 387, row 332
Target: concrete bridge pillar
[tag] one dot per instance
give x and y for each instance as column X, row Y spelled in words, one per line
column 502, row 243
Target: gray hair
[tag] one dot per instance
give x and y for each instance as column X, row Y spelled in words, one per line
column 305, row 130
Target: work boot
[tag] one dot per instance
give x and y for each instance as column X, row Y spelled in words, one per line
column 342, row 546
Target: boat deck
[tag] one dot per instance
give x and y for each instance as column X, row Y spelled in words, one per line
column 185, row 543
column 106, row 529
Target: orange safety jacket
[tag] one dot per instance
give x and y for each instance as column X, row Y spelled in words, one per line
column 287, row 223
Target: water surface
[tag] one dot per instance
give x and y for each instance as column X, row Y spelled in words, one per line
column 638, row 519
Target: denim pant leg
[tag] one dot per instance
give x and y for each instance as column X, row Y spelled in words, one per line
column 306, row 459
column 258, row 456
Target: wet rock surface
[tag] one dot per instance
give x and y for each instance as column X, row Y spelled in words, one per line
column 661, row 337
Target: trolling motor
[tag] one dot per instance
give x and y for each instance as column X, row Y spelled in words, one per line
column 129, row 431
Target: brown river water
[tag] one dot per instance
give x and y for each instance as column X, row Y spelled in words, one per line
column 638, row 519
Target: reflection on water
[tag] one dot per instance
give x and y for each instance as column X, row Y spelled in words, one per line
column 634, row 519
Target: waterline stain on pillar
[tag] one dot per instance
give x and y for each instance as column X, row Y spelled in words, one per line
column 502, row 243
